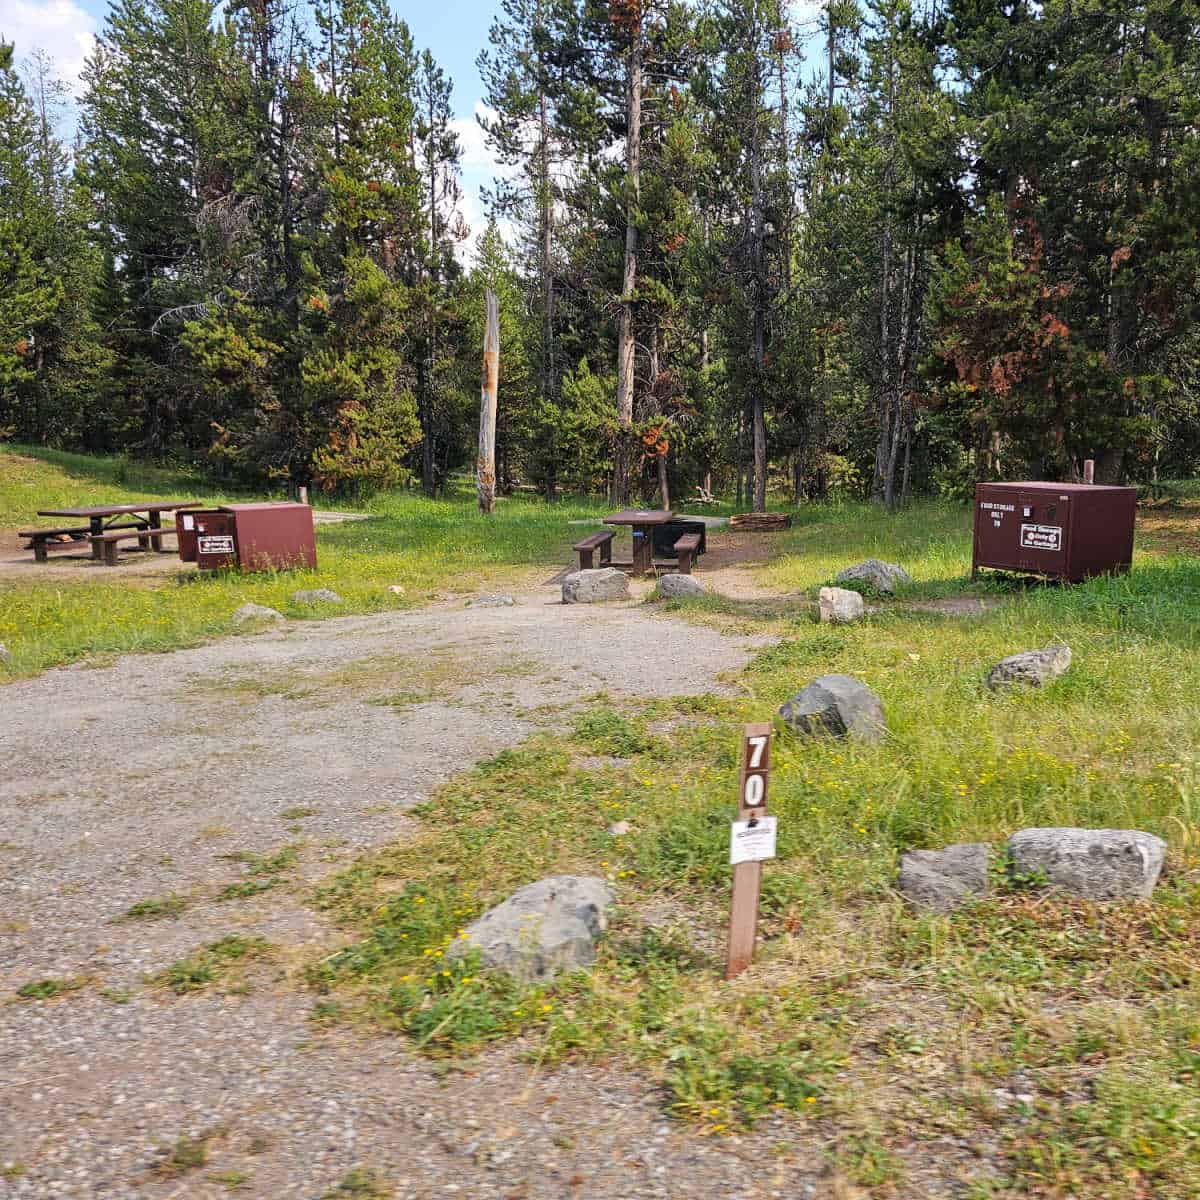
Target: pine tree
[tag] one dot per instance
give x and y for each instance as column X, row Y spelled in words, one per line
column 52, row 365
column 151, row 127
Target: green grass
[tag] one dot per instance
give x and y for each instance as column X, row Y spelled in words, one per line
column 427, row 547
column 156, row 907
column 49, row 989
column 878, row 1027
column 221, row 962
column 361, row 1182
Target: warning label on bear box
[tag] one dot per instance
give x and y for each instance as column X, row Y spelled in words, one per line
column 215, row 545
column 1041, row 537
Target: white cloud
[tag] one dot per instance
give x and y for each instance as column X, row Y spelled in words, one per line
column 479, row 170
column 475, row 153
column 60, row 27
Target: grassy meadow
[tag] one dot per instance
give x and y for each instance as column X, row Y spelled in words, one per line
column 427, row 547
column 1035, row 1046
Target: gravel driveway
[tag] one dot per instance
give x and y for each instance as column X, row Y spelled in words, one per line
column 178, row 775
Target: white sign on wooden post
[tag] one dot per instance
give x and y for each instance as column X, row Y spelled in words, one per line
column 751, row 841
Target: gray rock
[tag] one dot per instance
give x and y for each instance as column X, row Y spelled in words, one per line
column 882, row 576
column 840, row 606
column 256, row 612
column 592, row 586
column 1032, row 667
column 545, row 927
column 674, row 586
column 396, row 590
column 316, row 596
column 943, row 880
column 492, row 600
column 839, row 705
column 1097, row 864
column 5, row 653
column 619, row 828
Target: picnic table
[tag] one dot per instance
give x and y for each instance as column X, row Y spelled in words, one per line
column 141, row 515
column 642, row 521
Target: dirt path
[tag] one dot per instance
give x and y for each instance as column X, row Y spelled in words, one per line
column 160, row 775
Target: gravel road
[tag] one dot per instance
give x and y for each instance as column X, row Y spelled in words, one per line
column 160, row 775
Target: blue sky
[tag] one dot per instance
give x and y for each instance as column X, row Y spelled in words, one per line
column 453, row 30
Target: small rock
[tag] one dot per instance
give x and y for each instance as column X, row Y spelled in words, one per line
column 840, row 606
column 943, row 880
column 675, row 585
column 492, row 600
column 594, row 585
column 1097, row 864
column 1032, row 667
column 545, row 927
column 882, row 576
column 256, row 612
column 316, row 596
column 836, row 704
column 396, row 590
column 5, row 654
column 619, row 828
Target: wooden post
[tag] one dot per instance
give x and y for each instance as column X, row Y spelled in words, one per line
column 1089, row 470
column 747, row 876
column 302, row 494
column 485, row 467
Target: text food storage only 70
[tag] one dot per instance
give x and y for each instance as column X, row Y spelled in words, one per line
column 255, row 537
column 1068, row 531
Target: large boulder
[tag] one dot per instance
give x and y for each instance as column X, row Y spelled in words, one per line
column 1097, row 864
column 594, row 585
column 840, row 605
column 316, row 596
column 675, row 586
column 256, row 612
column 839, row 705
column 882, row 576
column 1031, row 667
column 943, row 880
column 542, row 929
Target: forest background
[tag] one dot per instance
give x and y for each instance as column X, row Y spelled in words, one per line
column 894, row 248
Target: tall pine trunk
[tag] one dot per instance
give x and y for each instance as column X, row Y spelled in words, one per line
column 759, row 333
column 626, row 348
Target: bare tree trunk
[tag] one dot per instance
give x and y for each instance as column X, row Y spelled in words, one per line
column 549, row 379
column 485, row 467
column 758, row 348
column 738, row 463
column 899, row 388
column 626, row 349
column 884, row 450
column 654, row 365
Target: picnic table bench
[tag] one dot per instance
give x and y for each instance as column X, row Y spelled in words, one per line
column 685, row 550
column 146, row 537
column 41, row 540
column 602, row 541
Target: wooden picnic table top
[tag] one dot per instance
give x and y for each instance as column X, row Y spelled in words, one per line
column 116, row 510
column 640, row 516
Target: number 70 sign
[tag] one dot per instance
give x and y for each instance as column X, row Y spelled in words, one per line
column 756, row 763
column 752, row 839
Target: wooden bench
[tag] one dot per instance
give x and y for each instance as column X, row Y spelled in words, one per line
column 601, row 541
column 146, row 535
column 40, row 540
column 685, row 551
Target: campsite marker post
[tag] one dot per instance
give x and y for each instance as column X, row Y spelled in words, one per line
column 752, row 839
